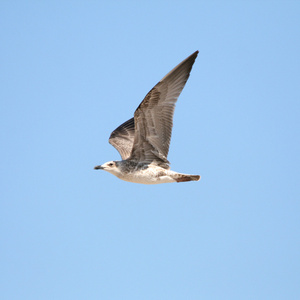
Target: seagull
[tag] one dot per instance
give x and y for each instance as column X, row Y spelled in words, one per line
column 143, row 141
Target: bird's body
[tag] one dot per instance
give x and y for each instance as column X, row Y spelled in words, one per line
column 145, row 173
column 143, row 141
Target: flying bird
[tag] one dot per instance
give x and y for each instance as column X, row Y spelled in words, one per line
column 143, row 141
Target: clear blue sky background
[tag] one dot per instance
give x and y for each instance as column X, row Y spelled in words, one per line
column 71, row 72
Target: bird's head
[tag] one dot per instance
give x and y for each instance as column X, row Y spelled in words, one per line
column 110, row 166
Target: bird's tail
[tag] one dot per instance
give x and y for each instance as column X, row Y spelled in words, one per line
column 186, row 177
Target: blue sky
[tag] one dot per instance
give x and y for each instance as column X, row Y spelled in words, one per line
column 71, row 72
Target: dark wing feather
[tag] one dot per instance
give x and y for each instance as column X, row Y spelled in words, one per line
column 154, row 116
column 122, row 138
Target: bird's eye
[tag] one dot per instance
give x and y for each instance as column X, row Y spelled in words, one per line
column 111, row 164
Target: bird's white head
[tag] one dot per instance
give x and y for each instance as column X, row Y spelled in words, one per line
column 110, row 166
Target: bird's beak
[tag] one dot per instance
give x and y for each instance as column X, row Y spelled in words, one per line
column 99, row 168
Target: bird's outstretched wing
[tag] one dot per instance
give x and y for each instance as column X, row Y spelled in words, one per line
column 122, row 138
column 153, row 119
